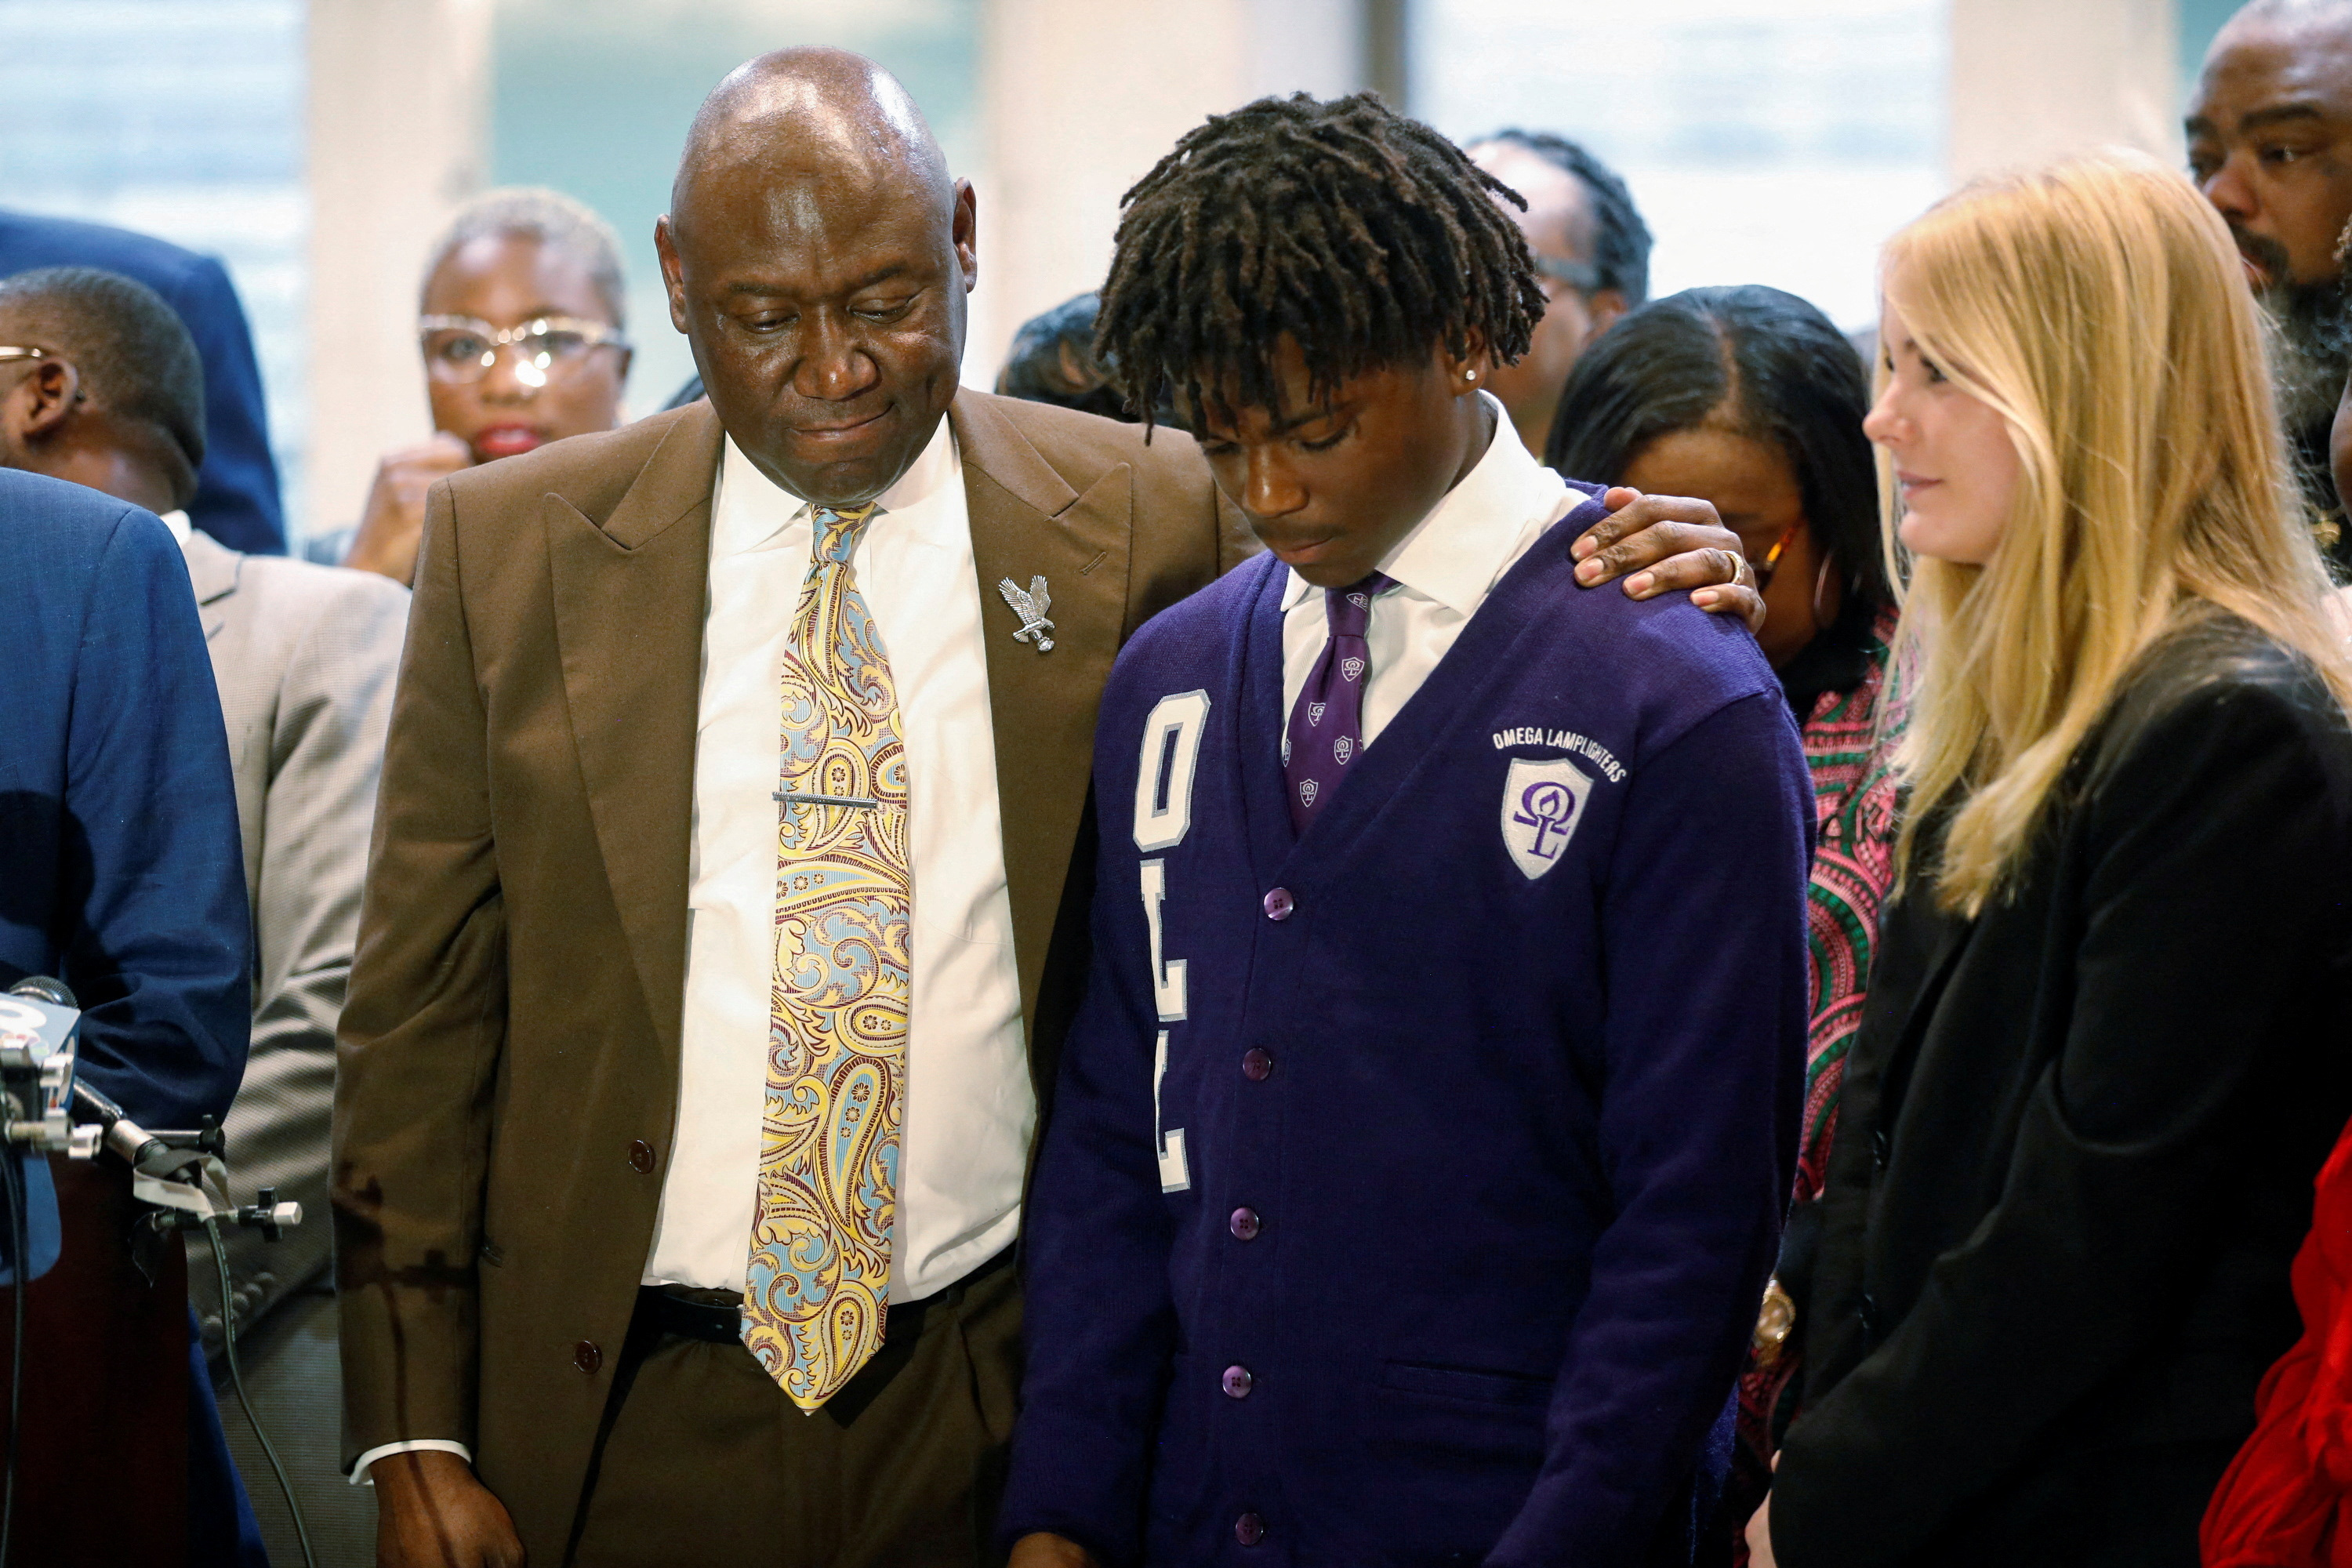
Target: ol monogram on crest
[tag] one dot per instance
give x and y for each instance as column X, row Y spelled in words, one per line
column 1031, row 606
column 1542, row 803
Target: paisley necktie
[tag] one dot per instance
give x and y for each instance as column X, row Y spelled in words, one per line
column 1326, row 722
column 817, row 1292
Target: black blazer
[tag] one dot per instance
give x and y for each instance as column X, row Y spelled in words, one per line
column 2077, row 1139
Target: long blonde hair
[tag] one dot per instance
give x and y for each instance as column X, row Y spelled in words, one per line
column 2100, row 308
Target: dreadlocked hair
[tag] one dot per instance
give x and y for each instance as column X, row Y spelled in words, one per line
column 1365, row 237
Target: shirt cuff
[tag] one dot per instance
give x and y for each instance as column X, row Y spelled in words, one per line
column 360, row 1477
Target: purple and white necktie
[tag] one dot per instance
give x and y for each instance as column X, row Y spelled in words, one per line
column 1326, row 724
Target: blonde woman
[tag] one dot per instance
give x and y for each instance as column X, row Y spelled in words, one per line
column 2103, row 1052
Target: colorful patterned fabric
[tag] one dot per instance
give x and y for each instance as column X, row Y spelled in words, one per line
column 1850, row 754
column 1854, row 868
column 817, row 1290
column 1326, row 722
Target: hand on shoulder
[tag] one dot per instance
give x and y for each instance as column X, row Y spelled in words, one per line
column 1662, row 543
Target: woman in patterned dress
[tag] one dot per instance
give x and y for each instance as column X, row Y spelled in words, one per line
column 1751, row 399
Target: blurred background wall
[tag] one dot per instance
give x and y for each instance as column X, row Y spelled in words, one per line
column 316, row 145
column 186, row 121
column 594, row 97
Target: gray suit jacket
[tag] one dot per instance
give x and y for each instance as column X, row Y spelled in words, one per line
column 305, row 656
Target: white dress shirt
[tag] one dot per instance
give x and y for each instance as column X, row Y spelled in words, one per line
column 968, row 1108
column 1445, row 569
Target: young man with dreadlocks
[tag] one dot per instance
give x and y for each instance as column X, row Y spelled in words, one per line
column 1419, row 1154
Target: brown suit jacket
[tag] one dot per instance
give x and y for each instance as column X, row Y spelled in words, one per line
column 510, row 1053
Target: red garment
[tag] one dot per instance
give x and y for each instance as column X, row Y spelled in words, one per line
column 2286, row 1501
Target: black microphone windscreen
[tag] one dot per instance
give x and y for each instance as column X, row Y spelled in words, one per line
column 45, row 988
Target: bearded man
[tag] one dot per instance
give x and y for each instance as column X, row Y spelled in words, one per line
column 2270, row 144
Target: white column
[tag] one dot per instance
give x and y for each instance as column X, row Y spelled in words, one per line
column 2032, row 80
column 1080, row 98
column 399, row 110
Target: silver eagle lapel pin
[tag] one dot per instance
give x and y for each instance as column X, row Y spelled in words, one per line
column 1031, row 606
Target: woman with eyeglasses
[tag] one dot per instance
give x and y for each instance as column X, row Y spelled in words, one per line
column 1749, row 398
column 520, row 328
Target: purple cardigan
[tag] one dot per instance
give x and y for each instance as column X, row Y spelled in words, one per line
column 1410, row 1185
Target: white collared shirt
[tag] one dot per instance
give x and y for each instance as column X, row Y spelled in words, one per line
column 969, row 1110
column 1445, row 569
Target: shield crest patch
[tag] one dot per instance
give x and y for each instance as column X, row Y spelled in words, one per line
column 1541, row 804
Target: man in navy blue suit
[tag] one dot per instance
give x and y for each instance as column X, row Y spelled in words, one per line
column 1418, row 1154
column 121, row 873
column 237, row 488
column 120, row 868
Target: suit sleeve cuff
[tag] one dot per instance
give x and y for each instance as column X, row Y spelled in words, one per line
column 360, row 1465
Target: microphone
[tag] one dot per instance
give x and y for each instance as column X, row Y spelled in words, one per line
column 148, row 1153
column 48, row 1001
column 112, row 1128
column 45, row 988
column 40, row 1025
column 167, row 1155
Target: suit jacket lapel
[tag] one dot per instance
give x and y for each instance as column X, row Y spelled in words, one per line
column 211, row 572
column 1918, row 947
column 628, row 593
column 1028, row 522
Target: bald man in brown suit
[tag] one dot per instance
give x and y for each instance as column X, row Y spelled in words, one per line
column 550, row 1117
column 521, row 1174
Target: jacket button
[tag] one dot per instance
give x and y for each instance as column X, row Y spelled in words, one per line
column 586, row 1357
column 641, row 1157
column 1244, row 1224
column 1279, row 903
column 1249, row 1530
column 1256, row 1065
column 1236, row 1382
column 1879, row 1145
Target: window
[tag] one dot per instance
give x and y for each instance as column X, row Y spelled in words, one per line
column 182, row 119
column 1765, row 142
column 594, row 97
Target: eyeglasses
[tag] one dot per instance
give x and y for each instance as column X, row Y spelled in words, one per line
column 462, row 349
column 1580, row 276
column 9, row 353
column 1771, row 561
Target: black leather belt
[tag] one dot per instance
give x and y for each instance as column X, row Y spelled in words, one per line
column 716, row 1317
